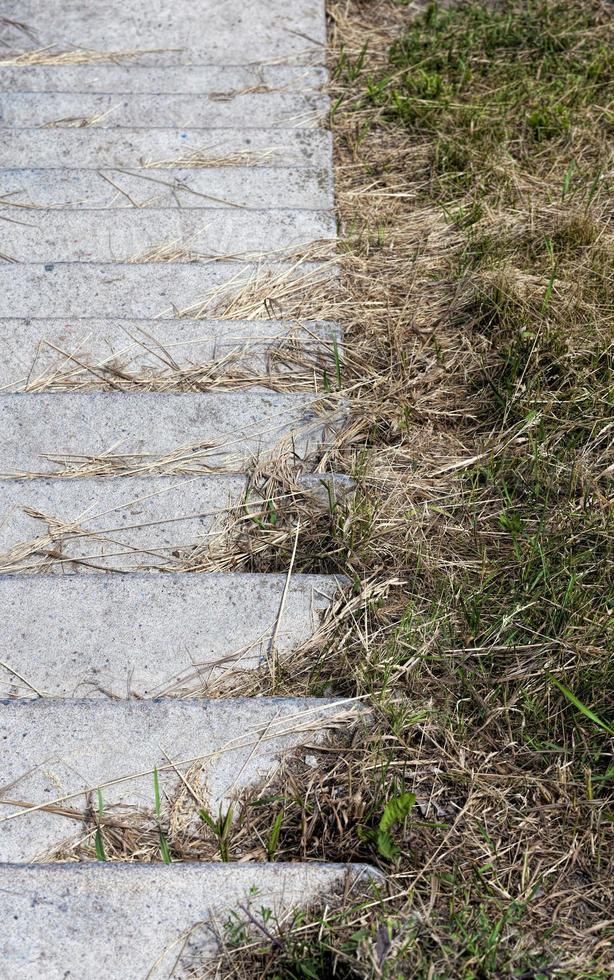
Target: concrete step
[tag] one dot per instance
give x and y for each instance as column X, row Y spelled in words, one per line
column 209, row 32
column 149, row 522
column 209, row 187
column 283, row 110
column 157, row 289
column 164, row 148
column 100, row 524
column 225, row 82
column 124, row 920
column 58, row 752
column 98, row 433
column 183, row 234
column 149, row 636
column 59, row 353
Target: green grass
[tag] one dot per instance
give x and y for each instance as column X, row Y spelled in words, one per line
column 484, row 345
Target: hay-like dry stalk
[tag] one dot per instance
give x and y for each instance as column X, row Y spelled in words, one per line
column 79, row 122
column 299, row 289
column 208, row 157
column 76, row 56
column 473, row 290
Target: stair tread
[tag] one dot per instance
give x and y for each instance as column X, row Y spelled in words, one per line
column 149, row 636
column 142, row 188
column 144, row 432
column 207, row 32
column 156, row 289
column 128, row 234
column 118, row 920
column 278, row 110
column 164, row 148
column 35, row 350
column 225, row 81
column 62, row 750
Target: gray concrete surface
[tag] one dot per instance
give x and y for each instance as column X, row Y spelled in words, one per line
column 157, row 289
column 61, row 751
column 35, row 351
column 164, row 148
column 222, row 81
column 140, row 433
column 135, row 522
column 141, row 522
column 148, row 636
column 283, row 110
column 209, row 187
column 105, row 677
column 130, row 234
column 209, row 32
column 116, row 921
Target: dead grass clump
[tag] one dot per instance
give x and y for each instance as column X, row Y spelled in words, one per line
column 299, row 289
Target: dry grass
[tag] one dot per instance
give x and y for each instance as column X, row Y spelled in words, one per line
column 476, row 300
column 300, row 289
column 79, row 122
column 208, row 157
column 50, row 56
column 475, row 293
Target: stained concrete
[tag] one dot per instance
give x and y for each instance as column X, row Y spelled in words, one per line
column 41, row 351
column 148, row 636
column 149, row 432
column 126, row 235
column 283, row 110
column 58, row 751
column 117, row 921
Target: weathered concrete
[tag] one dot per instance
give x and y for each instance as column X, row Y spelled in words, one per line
column 61, row 353
column 130, row 234
column 143, row 433
column 139, row 290
column 210, row 187
column 148, row 636
column 136, row 522
column 144, row 522
column 209, row 32
column 225, row 82
column 63, row 750
column 116, row 921
column 283, row 110
column 164, row 148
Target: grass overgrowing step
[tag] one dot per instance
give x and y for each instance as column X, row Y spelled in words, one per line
column 473, row 183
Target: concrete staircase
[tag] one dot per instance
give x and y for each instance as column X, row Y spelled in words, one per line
column 132, row 133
